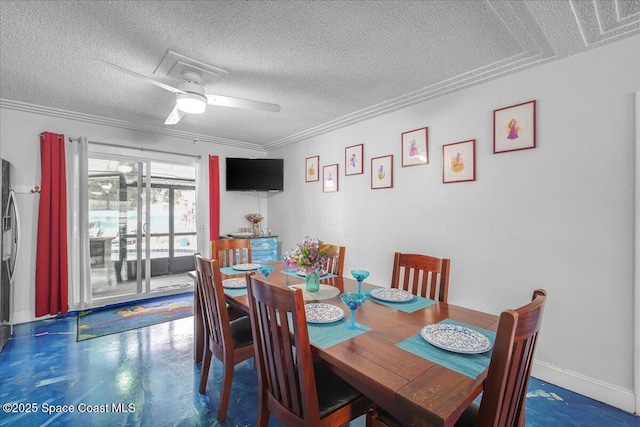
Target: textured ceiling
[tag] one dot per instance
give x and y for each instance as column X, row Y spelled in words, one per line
column 327, row 64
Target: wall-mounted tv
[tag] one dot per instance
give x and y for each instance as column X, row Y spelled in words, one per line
column 245, row 174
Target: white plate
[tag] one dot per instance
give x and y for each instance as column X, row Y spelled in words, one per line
column 246, row 267
column 323, row 313
column 241, row 235
column 458, row 339
column 236, row 283
column 391, row 295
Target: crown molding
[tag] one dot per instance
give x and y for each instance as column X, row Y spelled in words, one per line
column 88, row 118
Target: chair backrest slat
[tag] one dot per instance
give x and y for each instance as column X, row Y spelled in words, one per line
column 213, row 301
column 230, row 252
column 283, row 352
column 422, row 275
column 505, row 387
column 336, row 264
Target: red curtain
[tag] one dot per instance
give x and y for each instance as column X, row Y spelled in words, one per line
column 51, row 255
column 214, row 198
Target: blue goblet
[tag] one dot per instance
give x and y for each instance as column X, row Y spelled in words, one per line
column 265, row 270
column 353, row 300
column 359, row 275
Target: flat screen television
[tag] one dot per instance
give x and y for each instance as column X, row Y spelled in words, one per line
column 244, row 174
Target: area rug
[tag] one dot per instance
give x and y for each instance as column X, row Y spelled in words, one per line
column 125, row 317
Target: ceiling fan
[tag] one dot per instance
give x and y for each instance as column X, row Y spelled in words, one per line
column 191, row 97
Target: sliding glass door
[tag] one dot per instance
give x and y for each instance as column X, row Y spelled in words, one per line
column 141, row 227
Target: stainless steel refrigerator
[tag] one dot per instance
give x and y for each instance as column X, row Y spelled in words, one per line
column 9, row 241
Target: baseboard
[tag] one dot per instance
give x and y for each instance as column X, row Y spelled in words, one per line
column 595, row 389
column 25, row 316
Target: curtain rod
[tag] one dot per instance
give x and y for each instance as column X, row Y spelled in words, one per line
column 197, row 156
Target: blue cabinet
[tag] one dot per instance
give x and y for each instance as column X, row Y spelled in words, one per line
column 264, row 249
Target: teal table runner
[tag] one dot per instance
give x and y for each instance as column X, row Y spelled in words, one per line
column 235, row 292
column 470, row 365
column 324, row 335
column 229, row 271
column 408, row 307
column 293, row 273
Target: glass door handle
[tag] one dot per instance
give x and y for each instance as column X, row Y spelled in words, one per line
column 145, row 227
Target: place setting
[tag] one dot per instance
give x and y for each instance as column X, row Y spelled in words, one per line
column 241, row 268
column 399, row 299
column 455, row 345
column 327, row 323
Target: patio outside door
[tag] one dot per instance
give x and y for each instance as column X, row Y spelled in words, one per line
column 141, row 226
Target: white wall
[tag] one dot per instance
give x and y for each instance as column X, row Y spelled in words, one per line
column 558, row 217
column 20, row 145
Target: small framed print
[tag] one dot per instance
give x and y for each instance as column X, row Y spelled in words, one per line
column 330, row 178
column 382, row 172
column 459, row 161
column 311, row 169
column 353, row 160
column 415, row 147
column 514, row 128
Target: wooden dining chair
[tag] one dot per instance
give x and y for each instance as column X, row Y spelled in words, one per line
column 291, row 387
column 422, row 275
column 230, row 252
column 505, row 387
column 335, row 264
column 230, row 341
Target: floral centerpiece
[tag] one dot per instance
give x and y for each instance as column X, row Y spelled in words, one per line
column 311, row 258
column 255, row 219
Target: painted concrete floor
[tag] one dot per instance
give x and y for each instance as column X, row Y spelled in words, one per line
column 146, row 377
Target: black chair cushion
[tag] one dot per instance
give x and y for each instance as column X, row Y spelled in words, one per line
column 241, row 332
column 468, row 417
column 333, row 391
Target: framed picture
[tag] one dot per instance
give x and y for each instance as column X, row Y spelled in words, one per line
column 514, row 128
column 382, row 172
column 459, row 161
column 330, row 178
column 311, row 169
column 353, row 160
column 415, row 147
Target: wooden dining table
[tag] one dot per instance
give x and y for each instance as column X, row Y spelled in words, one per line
column 415, row 390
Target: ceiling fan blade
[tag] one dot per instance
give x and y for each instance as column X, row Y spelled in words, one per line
column 134, row 74
column 227, row 101
column 175, row 116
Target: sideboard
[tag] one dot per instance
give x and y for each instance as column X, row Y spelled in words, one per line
column 263, row 248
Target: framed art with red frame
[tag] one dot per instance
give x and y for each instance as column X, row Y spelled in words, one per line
column 382, row 172
column 330, row 178
column 514, row 127
column 415, row 147
column 353, row 164
column 311, row 172
column 459, row 161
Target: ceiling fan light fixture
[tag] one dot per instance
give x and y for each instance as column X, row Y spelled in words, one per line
column 192, row 103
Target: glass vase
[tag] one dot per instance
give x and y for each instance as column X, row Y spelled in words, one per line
column 255, row 228
column 312, row 282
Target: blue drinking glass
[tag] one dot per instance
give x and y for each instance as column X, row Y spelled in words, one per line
column 266, row 270
column 360, row 276
column 353, row 300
